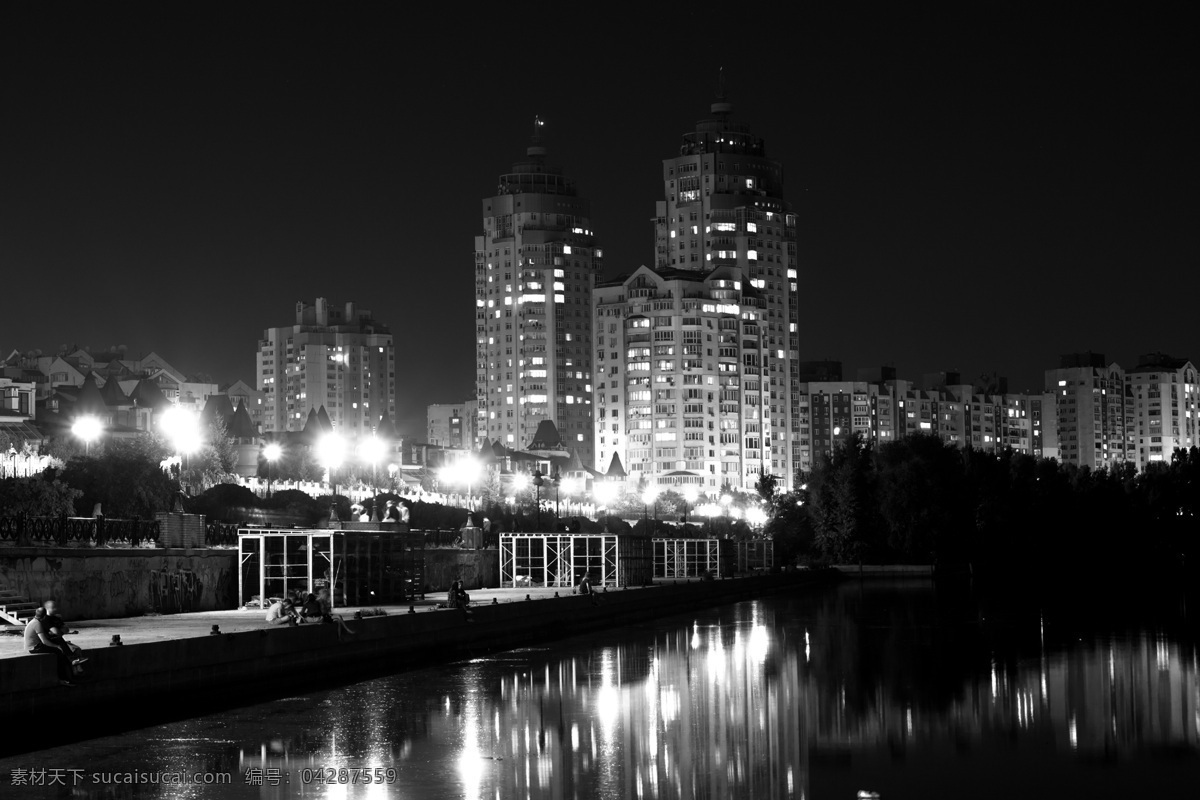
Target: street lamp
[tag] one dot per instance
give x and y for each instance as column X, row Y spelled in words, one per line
column 183, row 429
column 556, row 479
column 649, row 496
column 372, row 451
column 331, row 452
column 570, row 487
column 604, row 492
column 690, row 495
column 464, row 470
column 537, row 483
column 271, row 453
column 88, row 429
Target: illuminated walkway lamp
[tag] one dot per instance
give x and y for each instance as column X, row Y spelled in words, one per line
column 372, row 451
column 272, row 453
column 690, row 495
column 87, row 429
column 650, row 497
column 331, row 454
column 605, row 492
column 183, row 429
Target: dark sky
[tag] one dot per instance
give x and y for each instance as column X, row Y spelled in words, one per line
column 980, row 192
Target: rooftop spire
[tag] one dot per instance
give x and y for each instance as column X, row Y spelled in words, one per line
column 721, row 107
column 536, row 149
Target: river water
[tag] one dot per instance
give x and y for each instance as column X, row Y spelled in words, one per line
column 904, row 690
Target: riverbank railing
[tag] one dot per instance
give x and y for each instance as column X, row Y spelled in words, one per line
column 29, row 531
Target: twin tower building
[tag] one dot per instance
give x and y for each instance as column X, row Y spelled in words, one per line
column 687, row 370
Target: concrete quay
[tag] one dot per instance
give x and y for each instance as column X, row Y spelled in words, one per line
column 173, row 666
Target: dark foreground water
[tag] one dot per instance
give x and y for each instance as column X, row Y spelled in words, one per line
column 902, row 690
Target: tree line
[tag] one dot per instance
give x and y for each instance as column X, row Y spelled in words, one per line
column 920, row 500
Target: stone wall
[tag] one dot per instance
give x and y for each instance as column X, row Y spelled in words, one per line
column 107, row 583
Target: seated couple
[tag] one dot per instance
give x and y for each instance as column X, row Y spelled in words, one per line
column 44, row 634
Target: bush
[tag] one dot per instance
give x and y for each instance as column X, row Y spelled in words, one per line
column 37, row 497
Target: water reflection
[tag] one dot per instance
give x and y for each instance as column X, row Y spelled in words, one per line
column 879, row 688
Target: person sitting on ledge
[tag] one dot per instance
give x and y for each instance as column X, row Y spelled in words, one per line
column 282, row 612
column 316, row 609
column 37, row 640
column 585, row 587
column 58, row 629
column 458, row 596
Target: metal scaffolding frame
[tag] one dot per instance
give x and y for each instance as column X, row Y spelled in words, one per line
column 360, row 567
column 692, row 558
column 757, row 555
column 272, row 563
column 562, row 559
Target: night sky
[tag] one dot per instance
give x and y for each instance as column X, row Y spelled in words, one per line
column 979, row 192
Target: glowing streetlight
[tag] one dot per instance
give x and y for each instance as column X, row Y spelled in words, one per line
column 331, row 453
column 690, row 495
column 649, row 497
column 88, row 429
column 272, row 453
column 372, row 451
column 465, row 471
column 604, row 492
column 756, row 516
column 537, row 483
column 182, row 427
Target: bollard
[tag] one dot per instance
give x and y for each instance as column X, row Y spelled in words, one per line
column 412, row 609
column 216, row 631
column 527, row 597
column 495, row 602
column 556, row 594
column 116, row 640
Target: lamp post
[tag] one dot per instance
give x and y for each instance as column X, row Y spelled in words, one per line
column 371, row 451
column 88, row 429
column 604, row 492
column 690, row 495
column 537, row 483
column 571, row 488
column 183, row 429
column 465, row 470
column 556, row 479
column 331, row 452
column 650, row 496
column 271, row 453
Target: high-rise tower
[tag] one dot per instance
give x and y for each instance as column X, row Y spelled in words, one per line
column 535, row 265
column 339, row 358
column 724, row 210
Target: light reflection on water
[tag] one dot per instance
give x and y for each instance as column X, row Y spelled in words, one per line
column 820, row 695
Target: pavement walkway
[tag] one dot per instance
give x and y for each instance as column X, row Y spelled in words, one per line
column 94, row 634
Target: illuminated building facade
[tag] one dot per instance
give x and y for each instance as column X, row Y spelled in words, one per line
column 535, row 266
column 336, row 357
column 681, row 394
column 1090, row 411
column 451, row 424
column 1161, row 396
column 706, row 394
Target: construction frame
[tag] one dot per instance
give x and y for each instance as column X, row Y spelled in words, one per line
column 561, row 560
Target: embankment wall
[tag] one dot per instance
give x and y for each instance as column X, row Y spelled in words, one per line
column 188, row 675
column 106, row 583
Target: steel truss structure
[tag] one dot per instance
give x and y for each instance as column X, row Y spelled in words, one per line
column 692, row 558
column 755, row 556
column 562, row 559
